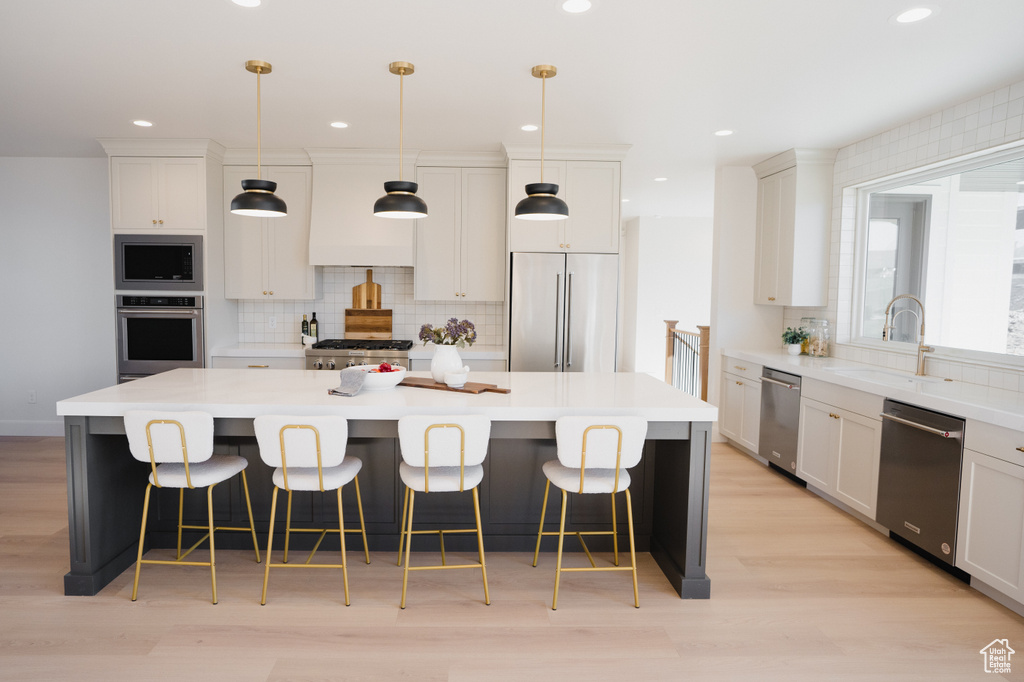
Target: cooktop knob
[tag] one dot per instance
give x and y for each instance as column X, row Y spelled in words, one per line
column 318, row 364
column 330, row 364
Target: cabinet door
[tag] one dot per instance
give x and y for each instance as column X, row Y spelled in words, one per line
column 534, row 235
column 990, row 540
column 818, row 440
column 133, row 190
column 182, row 194
column 750, row 424
column 245, row 266
column 437, row 276
column 856, row 467
column 730, row 414
column 592, row 193
column 776, row 205
column 482, row 238
column 286, row 246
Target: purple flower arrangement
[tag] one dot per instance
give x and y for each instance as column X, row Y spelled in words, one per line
column 453, row 333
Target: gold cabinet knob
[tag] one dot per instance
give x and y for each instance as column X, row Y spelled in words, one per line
column 154, row 221
column 264, row 292
column 161, row 222
column 771, row 298
column 271, row 293
column 561, row 246
column 834, row 416
column 739, row 383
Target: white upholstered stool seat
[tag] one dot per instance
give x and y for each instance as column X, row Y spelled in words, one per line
column 179, row 449
column 441, row 454
column 593, row 455
column 308, row 454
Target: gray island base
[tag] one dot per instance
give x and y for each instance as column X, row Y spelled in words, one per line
column 670, row 485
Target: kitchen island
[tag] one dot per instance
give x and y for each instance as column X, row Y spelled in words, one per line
column 670, row 485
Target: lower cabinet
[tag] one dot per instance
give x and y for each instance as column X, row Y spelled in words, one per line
column 990, row 526
column 838, row 453
column 235, row 362
column 739, row 417
column 475, row 365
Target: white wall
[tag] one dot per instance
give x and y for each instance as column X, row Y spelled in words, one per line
column 667, row 274
column 57, row 339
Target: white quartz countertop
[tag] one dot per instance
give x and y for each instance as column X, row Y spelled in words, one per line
column 534, row 396
column 296, row 350
column 971, row 401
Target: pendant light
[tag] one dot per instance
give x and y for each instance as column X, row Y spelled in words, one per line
column 540, row 202
column 258, row 199
column 401, row 200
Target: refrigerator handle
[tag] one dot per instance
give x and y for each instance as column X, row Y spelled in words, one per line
column 568, row 320
column 558, row 292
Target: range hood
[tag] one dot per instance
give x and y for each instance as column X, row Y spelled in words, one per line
column 343, row 229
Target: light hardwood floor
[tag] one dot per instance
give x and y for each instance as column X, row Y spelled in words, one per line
column 800, row 591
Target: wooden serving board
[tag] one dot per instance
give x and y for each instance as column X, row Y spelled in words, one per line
column 367, row 324
column 470, row 387
column 367, row 294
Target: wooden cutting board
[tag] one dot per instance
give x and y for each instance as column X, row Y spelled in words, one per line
column 470, row 387
column 367, row 324
column 367, row 294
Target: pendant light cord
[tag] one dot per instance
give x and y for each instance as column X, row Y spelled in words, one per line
column 259, row 176
column 401, row 120
column 543, row 94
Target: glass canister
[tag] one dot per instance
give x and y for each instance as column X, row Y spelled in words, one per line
column 820, row 339
column 806, row 323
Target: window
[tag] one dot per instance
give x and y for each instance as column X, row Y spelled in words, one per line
column 952, row 238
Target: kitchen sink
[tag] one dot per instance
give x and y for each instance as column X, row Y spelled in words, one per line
column 882, row 376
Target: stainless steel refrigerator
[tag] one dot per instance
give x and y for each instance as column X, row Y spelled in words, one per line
column 563, row 312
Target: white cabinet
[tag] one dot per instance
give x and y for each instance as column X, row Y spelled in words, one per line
column 838, row 449
column 794, row 198
column 158, row 194
column 990, row 525
column 460, row 246
column 257, row 362
column 474, row 364
column 739, row 417
column 268, row 258
column 591, row 190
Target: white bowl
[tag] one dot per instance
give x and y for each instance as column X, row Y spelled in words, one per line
column 456, row 379
column 376, row 380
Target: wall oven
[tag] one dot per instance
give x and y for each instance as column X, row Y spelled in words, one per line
column 162, row 262
column 158, row 333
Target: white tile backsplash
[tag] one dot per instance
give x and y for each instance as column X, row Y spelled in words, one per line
column 396, row 285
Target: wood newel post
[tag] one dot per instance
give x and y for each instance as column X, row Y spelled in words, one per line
column 705, row 349
column 669, row 346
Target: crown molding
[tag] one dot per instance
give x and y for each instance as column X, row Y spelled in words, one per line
column 272, row 157
column 131, row 146
column 462, row 159
column 792, row 157
column 321, row 155
column 597, row 152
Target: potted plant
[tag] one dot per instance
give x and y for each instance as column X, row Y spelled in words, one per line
column 793, row 338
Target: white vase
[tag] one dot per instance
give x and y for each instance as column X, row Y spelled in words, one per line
column 793, row 348
column 446, row 359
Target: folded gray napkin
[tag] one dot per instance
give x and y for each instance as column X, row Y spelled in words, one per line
column 351, row 382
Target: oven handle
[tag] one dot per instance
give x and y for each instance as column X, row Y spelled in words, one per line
column 781, row 383
column 922, row 427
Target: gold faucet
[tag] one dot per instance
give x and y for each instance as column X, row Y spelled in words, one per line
column 888, row 328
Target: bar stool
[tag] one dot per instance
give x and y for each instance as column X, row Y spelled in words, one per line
column 441, row 454
column 308, row 454
column 179, row 448
column 593, row 455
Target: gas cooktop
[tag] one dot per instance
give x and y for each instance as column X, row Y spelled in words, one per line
column 362, row 344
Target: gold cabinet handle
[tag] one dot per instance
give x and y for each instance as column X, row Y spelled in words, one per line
column 254, row 366
column 1020, row 449
column 771, row 298
column 834, row 416
column 742, row 369
column 739, row 383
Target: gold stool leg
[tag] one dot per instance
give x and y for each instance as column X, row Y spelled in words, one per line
column 632, row 549
column 344, row 561
column 408, row 545
column 362, row 521
column 213, row 558
column 181, row 507
column 561, row 540
column 270, row 542
column 401, row 532
column 480, row 543
column 540, row 529
column 142, row 537
column 615, row 532
column 252, row 524
column 288, row 528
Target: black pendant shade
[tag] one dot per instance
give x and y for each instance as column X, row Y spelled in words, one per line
column 258, row 200
column 541, row 203
column 400, row 201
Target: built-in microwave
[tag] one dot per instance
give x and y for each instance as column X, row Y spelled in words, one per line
column 164, row 262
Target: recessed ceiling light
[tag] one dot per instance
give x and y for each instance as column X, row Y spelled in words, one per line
column 660, row 179
column 915, row 14
column 529, row 127
column 723, row 133
column 576, row 6
column 247, row 3
column 143, row 124
column 625, row 201
column 339, row 124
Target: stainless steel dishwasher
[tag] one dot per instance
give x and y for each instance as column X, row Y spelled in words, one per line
column 780, row 418
column 919, row 477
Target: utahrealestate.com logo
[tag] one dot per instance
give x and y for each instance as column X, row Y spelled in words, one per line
column 997, row 656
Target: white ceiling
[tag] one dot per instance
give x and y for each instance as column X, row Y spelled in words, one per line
column 660, row 75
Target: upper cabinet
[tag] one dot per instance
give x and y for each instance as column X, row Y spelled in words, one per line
column 343, row 229
column 794, row 198
column 268, row 258
column 158, row 194
column 589, row 182
column 460, row 246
